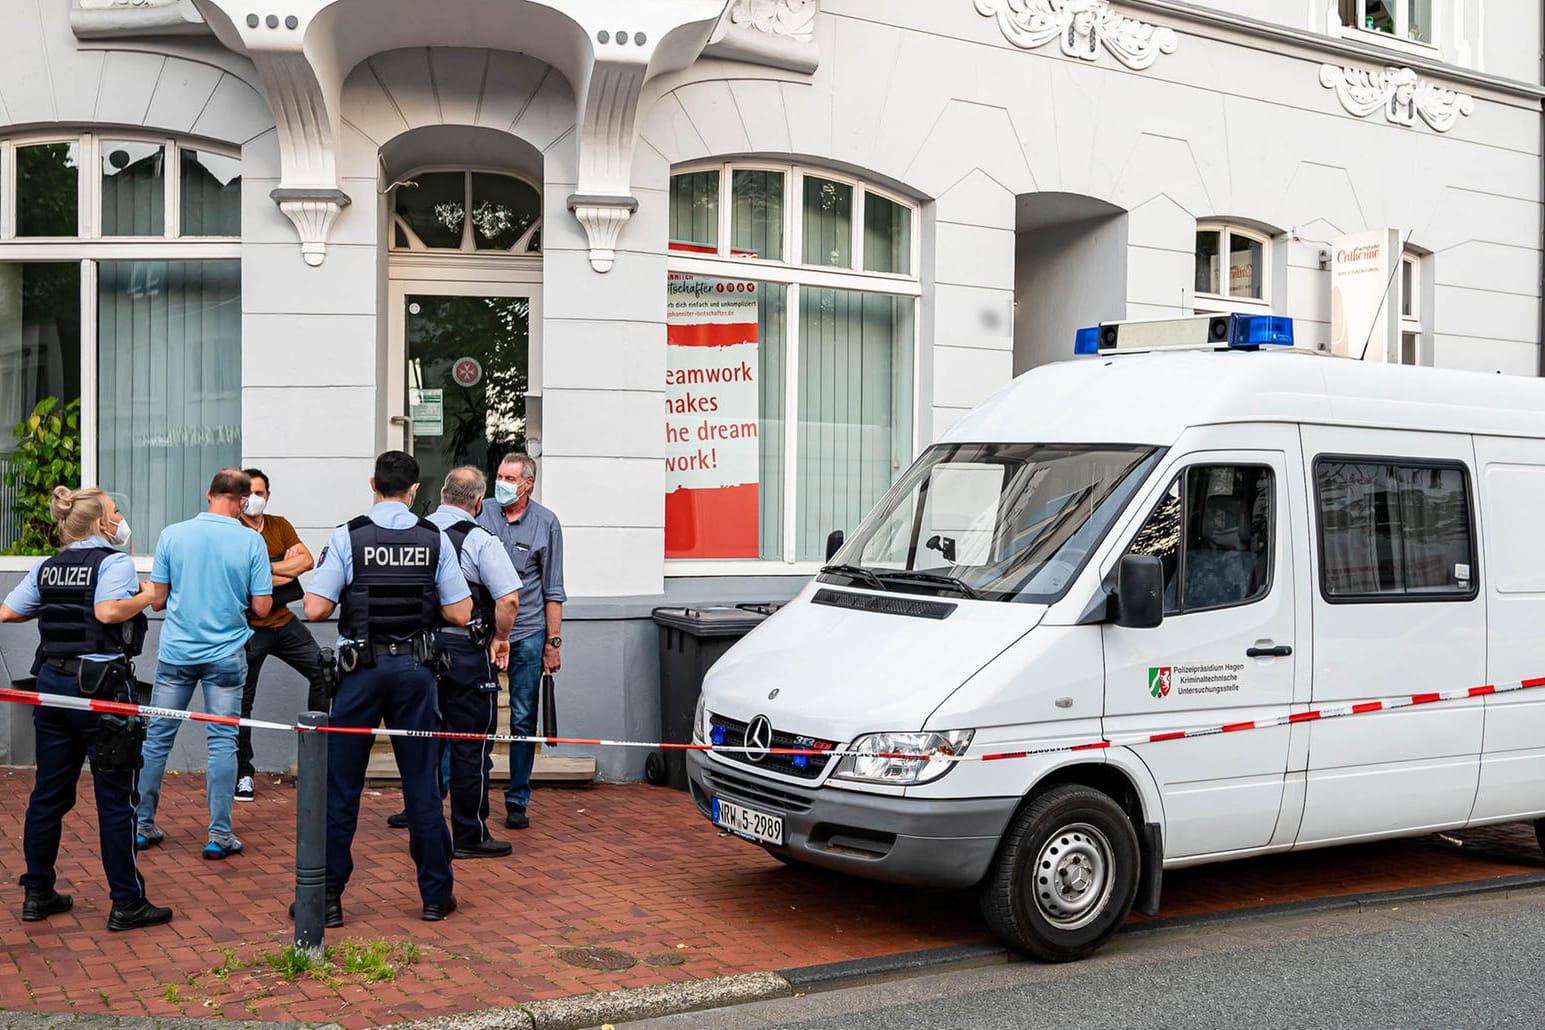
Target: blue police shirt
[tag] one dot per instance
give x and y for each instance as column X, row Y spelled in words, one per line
column 336, row 569
column 483, row 560
column 116, row 581
column 534, row 543
column 215, row 566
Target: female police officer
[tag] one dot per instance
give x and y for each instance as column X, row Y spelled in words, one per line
column 89, row 608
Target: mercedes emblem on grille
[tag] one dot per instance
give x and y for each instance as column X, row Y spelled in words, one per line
column 758, row 738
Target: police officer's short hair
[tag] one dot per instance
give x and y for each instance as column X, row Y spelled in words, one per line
column 268, row 484
column 396, row 473
column 230, row 483
column 464, row 486
column 527, row 463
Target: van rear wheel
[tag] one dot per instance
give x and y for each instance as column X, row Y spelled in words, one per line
column 1065, row 876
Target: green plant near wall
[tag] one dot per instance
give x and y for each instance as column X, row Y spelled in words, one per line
column 47, row 454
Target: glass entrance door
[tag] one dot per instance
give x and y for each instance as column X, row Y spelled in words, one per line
column 466, row 378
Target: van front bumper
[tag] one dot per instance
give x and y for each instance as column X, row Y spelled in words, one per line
column 918, row 842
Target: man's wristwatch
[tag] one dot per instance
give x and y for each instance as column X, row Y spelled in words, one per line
column 555, row 642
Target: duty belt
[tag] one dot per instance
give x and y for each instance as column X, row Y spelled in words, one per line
column 391, row 647
column 455, row 631
column 67, row 665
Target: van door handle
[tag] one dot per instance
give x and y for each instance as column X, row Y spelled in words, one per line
column 1280, row 651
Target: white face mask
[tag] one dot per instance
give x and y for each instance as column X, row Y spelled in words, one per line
column 120, row 535
column 255, row 505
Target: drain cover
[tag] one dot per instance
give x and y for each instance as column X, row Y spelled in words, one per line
column 604, row 959
column 665, row 958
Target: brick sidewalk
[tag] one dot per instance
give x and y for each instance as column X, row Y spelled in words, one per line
column 631, row 868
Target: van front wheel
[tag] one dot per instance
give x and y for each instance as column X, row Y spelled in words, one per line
column 1065, row 875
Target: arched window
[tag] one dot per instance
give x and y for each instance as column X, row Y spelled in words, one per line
column 1232, row 268
column 790, row 380
column 120, row 288
column 466, row 211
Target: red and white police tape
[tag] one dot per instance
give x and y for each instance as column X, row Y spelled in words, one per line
column 27, row 697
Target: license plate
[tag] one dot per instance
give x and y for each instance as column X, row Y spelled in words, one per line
column 748, row 822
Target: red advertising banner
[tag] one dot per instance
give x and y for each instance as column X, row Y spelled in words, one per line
column 712, row 452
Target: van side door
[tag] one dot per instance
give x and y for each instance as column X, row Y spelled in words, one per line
column 1397, row 612
column 1226, row 650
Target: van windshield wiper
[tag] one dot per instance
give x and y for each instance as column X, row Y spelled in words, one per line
column 953, row 582
column 858, row 572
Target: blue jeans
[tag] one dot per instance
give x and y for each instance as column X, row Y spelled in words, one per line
column 223, row 680
column 525, row 674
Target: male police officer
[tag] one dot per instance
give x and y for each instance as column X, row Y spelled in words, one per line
column 469, row 685
column 397, row 577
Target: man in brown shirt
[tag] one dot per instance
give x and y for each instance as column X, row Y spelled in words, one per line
column 279, row 633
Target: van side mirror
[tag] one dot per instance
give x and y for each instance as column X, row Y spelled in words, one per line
column 833, row 543
column 1139, row 591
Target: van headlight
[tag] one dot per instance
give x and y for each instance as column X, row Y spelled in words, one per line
column 891, row 758
column 699, row 720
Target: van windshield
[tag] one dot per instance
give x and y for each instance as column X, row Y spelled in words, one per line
column 1000, row 521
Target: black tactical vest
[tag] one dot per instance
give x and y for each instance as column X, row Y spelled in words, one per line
column 67, row 621
column 393, row 595
column 482, row 598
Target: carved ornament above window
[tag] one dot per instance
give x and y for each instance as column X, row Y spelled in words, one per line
column 776, row 33
column 112, row 19
column 1400, row 92
column 1081, row 28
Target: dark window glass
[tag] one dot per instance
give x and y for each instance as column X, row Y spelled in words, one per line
column 1207, row 247
column 828, row 223
column 133, row 188
column 211, row 194
column 47, row 190
column 1392, row 530
column 756, row 214
column 503, row 208
column 435, row 209
column 695, row 212
column 1213, row 533
column 887, row 236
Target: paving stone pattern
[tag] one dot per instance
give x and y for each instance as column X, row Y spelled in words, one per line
column 631, row 868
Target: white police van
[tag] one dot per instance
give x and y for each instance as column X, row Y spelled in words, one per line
column 1137, row 544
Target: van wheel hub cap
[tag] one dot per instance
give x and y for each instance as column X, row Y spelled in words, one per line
column 1073, row 876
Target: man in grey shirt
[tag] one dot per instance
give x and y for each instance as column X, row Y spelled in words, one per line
column 533, row 539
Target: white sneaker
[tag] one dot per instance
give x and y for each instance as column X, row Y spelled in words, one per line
column 245, row 789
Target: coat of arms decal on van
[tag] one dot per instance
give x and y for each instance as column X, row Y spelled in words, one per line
column 1159, row 681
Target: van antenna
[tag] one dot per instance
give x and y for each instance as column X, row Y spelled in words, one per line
column 1384, row 298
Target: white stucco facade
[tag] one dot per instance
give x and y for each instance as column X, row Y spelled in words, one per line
column 1058, row 162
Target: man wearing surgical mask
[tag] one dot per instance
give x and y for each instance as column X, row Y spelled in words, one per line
column 533, row 539
column 278, row 633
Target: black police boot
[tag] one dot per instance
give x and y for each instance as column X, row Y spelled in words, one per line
column 436, row 912
column 489, row 848
column 131, row 915
column 332, row 910
column 40, row 904
column 398, row 820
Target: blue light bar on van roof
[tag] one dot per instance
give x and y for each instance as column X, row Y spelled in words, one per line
column 1194, row 332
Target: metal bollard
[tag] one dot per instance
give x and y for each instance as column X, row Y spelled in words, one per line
column 311, row 836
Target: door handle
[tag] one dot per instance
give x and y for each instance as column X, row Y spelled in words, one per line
column 406, row 422
column 1280, row 651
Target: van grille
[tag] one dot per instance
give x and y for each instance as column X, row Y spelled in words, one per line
column 754, row 793
column 787, row 765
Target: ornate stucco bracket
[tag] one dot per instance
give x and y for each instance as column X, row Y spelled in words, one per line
column 1081, row 28
column 776, row 33
column 113, row 19
column 1403, row 95
column 608, row 52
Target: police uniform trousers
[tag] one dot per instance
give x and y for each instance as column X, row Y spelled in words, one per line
column 402, row 694
column 469, row 703
column 65, row 739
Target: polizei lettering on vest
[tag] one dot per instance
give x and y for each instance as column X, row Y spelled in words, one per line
column 397, row 556
column 65, row 575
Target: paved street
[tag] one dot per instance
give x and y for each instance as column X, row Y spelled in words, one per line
column 631, row 869
column 1450, row 963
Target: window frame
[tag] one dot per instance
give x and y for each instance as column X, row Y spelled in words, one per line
column 1403, row 597
column 1411, row 322
column 795, row 276
column 89, row 248
column 469, row 247
column 1400, row 39
column 1180, row 571
column 1208, row 303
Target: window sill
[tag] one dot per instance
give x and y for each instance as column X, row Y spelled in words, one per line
column 1388, row 41
column 20, row 563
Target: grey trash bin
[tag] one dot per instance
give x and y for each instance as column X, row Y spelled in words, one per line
column 691, row 640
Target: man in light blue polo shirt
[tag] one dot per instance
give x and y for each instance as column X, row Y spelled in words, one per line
column 208, row 572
